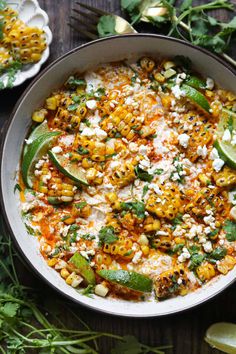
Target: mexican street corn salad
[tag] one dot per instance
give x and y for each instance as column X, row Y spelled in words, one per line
column 128, row 180
column 20, row 44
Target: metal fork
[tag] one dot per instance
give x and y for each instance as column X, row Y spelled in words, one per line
column 86, row 24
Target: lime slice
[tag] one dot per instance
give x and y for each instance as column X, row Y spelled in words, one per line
column 36, row 150
column 39, row 130
column 83, row 268
column 222, row 336
column 196, row 96
column 131, row 280
column 227, row 152
column 195, row 82
column 227, row 118
column 68, row 168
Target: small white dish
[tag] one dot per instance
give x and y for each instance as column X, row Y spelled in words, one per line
column 31, row 13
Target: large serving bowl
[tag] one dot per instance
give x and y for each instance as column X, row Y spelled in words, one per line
column 81, row 59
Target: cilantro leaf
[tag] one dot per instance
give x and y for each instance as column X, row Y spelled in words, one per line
column 230, row 229
column 137, row 208
column 218, row 253
column 73, row 82
column 186, row 4
column 143, row 175
column 196, row 259
column 9, row 309
column 80, row 205
column 129, row 345
column 107, row 235
column 106, row 26
column 145, row 190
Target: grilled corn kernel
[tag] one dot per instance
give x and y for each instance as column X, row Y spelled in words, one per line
column 64, row 273
column 74, row 280
column 147, row 64
column 101, row 290
column 145, row 249
column 51, row 103
column 39, row 116
column 143, row 240
column 159, row 77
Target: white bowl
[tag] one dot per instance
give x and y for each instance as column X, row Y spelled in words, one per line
column 31, row 13
column 80, row 59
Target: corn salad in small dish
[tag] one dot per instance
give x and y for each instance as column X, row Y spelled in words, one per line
column 24, row 40
column 128, row 180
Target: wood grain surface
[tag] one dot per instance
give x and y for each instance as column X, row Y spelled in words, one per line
column 184, row 331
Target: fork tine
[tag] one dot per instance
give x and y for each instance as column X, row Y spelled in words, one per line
column 91, row 17
column 83, row 31
column 93, row 9
column 90, row 26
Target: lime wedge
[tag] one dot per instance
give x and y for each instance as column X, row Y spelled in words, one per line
column 36, row 150
column 195, row 82
column 227, row 152
column 83, row 268
column 227, row 118
column 196, row 96
column 131, row 280
column 68, row 168
column 39, row 130
column 222, row 336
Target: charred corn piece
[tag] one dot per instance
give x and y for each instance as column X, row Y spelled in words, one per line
column 121, row 248
column 226, row 264
column 205, row 272
column 147, row 64
column 39, row 116
column 171, row 283
column 123, row 175
column 225, row 178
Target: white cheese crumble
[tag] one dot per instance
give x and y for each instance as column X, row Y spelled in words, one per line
column 214, row 154
column 156, row 189
column 218, row 164
column 183, row 140
column 207, row 247
column 56, row 149
column 226, row 135
column 137, row 256
column 209, row 83
column 184, row 255
column 91, row 104
column 202, row 151
column 177, row 92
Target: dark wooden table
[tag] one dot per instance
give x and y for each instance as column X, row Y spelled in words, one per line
column 186, row 330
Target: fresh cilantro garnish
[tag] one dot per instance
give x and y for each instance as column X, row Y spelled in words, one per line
column 17, row 188
column 230, row 229
column 158, row 171
column 177, row 221
column 107, row 235
column 65, row 217
column 86, row 122
column 100, row 92
column 178, row 169
column 80, row 205
column 137, row 208
column 72, row 107
column 213, row 233
column 145, row 190
column 87, row 237
column 88, row 291
column 82, row 151
column 176, row 249
column 196, row 260
column 218, row 253
column 109, row 156
column 73, row 82
column 106, row 26
column 73, row 227
column 143, row 175
column 230, row 124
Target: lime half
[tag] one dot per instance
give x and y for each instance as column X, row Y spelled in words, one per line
column 36, row 150
column 222, row 336
column 131, row 280
column 227, row 152
column 227, row 119
column 197, row 97
column 195, row 82
column 83, row 268
column 39, row 130
column 68, row 168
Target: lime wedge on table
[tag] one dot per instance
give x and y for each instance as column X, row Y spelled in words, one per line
column 222, row 336
column 39, row 130
column 196, row 96
column 68, row 168
column 227, row 118
column 83, row 267
column 36, row 150
column 131, row 280
column 227, row 152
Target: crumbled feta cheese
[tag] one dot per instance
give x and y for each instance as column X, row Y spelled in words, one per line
column 56, row 149
column 183, row 140
column 39, row 164
column 155, row 188
column 179, row 281
column 133, row 147
column 226, row 135
column 114, row 164
column 137, row 256
column 214, row 154
column 91, row 104
column 209, row 83
column 143, row 149
column 177, row 92
column 218, row 164
column 233, row 141
column 221, row 242
column 207, row 247
column 145, row 163
column 202, row 151
column 184, row 255
column 175, row 177
column 100, row 133
column 88, row 132
column 180, row 77
column 232, row 197
column 209, row 219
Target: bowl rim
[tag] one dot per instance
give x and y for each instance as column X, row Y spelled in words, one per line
column 3, row 134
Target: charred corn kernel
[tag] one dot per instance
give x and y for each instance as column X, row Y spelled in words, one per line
column 111, row 197
column 216, row 109
column 52, row 262
column 209, row 93
column 226, row 264
column 69, row 221
column 75, row 122
column 39, row 116
column 179, row 240
column 168, row 65
column 91, row 174
column 159, row 77
column 143, row 240
column 205, row 272
column 81, row 112
column 101, row 290
column 231, row 96
column 74, row 156
column 43, row 189
column 147, row 64
column 51, row 103
column 204, row 179
column 74, row 280
column 146, row 131
column 86, row 211
column 145, row 249
column 153, row 225
column 218, row 224
column 123, row 175
column 225, row 178
column 64, row 273
column 86, row 163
